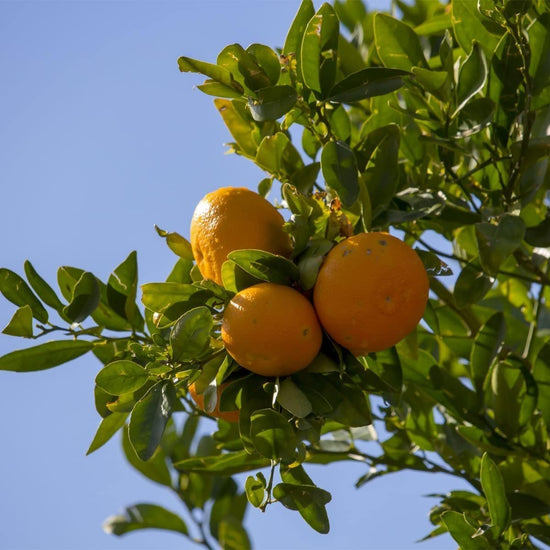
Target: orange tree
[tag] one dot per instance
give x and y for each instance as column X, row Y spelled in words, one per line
column 431, row 126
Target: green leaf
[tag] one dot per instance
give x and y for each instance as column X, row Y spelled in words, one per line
column 176, row 243
column 44, row 356
column 369, row 82
column 293, row 399
column 471, row 285
column 539, row 235
column 293, row 41
column 21, row 323
column 149, row 418
column 144, row 516
column 154, row 469
column 190, row 336
column 255, row 489
column 472, row 76
column 232, row 535
column 267, row 59
column 463, row 532
column 265, row 266
column 240, row 124
column 160, row 296
column 215, row 72
column 108, row 427
column 225, row 464
column 122, row 291
column 397, row 45
column 18, row 292
column 497, row 242
column 435, row 267
column 42, row 288
column 309, row 500
column 434, row 82
column 311, row 260
column 278, row 156
column 272, row 103
column 85, row 298
column 487, row 345
column 541, row 373
column 340, row 171
column 217, row 89
column 272, row 435
column 381, row 172
column 244, row 67
column 493, row 488
column 121, row 377
column 470, row 25
column 319, row 51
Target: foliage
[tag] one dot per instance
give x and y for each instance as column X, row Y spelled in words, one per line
column 434, row 125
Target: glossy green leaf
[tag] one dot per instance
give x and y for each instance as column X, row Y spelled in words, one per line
column 144, row 516
column 121, row 377
column 243, row 67
column 21, row 323
column 215, row 72
column 497, row 242
column 155, row 468
column 217, row 89
column 381, row 173
column 44, row 291
column 278, row 156
column 122, row 290
column 225, row 464
column 232, row 535
column 319, row 50
column 463, row 532
column 17, row 291
column 240, row 124
column 44, row 356
column 190, row 336
column 487, row 345
column 397, row 45
column 160, row 296
column 108, row 427
column 369, row 82
column 539, row 235
column 267, row 59
column 149, row 418
column 272, row 435
column 265, row 266
column 471, row 285
column 311, row 260
column 178, row 245
column 309, row 500
column 340, row 171
column 255, row 489
column 293, row 42
column 470, row 25
column 272, row 103
column 434, row 82
column 84, row 299
column 472, row 76
column 434, row 25
column 493, row 488
column 435, row 267
column 541, row 373
column 292, row 399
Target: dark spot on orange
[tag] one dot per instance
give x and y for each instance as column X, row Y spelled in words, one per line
column 346, row 252
column 305, row 332
column 369, row 251
column 383, row 242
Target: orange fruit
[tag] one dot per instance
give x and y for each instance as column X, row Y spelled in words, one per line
column 198, row 398
column 234, row 218
column 371, row 291
column 271, row 330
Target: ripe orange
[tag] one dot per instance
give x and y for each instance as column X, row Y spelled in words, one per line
column 198, row 398
column 271, row 330
column 371, row 291
column 234, row 218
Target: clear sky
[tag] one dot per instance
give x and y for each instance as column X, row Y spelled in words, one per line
column 101, row 137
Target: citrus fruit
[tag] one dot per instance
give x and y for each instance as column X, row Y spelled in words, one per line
column 198, row 398
column 371, row 291
column 234, row 218
column 271, row 330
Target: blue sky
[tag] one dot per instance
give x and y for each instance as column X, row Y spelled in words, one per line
column 101, row 138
